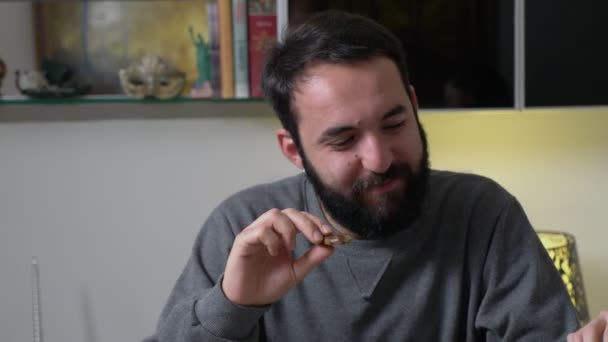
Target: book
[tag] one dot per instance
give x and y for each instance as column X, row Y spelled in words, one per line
column 262, row 27
column 226, row 48
column 282, row 18
column 239, row 37
column 214, row 47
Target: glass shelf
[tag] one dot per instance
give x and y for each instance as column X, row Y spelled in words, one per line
column 106, row 107
column 24, row 100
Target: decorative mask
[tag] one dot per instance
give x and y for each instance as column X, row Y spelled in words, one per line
column 151, row 76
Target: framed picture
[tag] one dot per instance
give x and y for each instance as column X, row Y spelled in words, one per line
column 95, row 39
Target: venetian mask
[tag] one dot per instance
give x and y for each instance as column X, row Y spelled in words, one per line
column 152, row 76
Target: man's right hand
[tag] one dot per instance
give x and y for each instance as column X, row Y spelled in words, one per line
column 260, row 268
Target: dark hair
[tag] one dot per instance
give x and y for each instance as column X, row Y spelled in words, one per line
column 327, row 37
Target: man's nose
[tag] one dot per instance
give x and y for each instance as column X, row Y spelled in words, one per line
column 375, row 154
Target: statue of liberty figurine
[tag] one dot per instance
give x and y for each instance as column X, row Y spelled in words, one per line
column 202, row 86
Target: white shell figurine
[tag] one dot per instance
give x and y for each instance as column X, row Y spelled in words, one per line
column 31, row 80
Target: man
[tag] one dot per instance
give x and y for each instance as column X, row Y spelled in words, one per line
column 436, row 256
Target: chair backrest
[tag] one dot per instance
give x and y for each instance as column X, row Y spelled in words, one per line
column 562, row 250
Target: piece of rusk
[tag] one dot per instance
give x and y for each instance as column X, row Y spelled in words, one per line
column 337, row 239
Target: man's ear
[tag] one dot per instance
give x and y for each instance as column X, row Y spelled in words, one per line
column 289, row 148
column 413, row 98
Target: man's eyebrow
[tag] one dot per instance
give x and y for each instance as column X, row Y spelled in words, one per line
column 398, row 109
column 332, row 132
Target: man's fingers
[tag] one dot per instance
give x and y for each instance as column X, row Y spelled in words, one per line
column 262, row 233
column 310, row 260
column 277, row 229
column 286, row 229
column 324, row 226
column 604, row 318
column 590, row 331
column 596, row 330
column 270, row 239
column 575, row 337
column 309, row 228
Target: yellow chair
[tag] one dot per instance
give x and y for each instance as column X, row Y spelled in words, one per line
column 562, row 250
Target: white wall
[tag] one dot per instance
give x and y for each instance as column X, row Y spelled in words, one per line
column 111, row 210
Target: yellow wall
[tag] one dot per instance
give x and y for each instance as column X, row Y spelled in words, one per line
column 555, row 161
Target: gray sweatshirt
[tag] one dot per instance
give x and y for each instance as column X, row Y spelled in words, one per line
column 471, row 268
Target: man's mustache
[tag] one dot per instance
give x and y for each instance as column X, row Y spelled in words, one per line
column 395, row 171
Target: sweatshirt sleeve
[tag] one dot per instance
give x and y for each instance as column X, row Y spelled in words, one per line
column 197, row 309
column 524, row 298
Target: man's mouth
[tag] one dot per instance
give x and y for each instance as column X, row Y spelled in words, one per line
column 386, row 186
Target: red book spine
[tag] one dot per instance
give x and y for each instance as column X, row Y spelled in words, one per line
column 262, row 31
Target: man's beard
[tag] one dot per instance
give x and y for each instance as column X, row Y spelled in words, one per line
column 393, row 211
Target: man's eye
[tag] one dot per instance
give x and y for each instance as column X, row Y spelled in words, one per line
column 342, row 143
column 394, row 126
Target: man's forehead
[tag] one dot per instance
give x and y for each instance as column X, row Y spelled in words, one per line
column 339, row 94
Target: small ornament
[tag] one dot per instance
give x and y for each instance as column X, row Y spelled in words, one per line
column 151, row 77
column 202, row 85
column 31, row 81
column 55, row 80
column 2, row 73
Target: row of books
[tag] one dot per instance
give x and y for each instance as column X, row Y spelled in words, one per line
column 241, row 33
